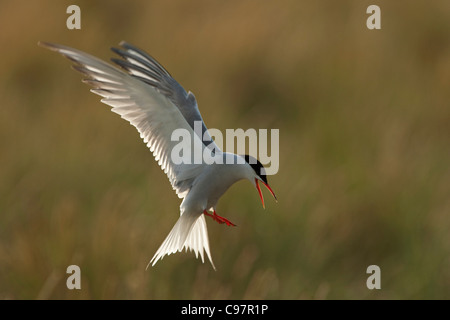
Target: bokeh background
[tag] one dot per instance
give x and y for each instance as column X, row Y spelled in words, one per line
column 364, row 175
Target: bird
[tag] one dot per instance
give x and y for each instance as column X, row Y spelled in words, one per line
column 143, row 92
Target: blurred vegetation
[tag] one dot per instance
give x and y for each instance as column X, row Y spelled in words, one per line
column 364, row 175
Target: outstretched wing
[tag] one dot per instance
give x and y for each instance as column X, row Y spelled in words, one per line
column 149, row 98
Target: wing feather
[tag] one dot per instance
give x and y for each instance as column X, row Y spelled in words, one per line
column 145, row 104
column 145, row 68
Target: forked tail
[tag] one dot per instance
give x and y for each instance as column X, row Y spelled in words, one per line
column 189, row 232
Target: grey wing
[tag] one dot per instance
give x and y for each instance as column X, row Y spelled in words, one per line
column 152, row 113
column 141, row 65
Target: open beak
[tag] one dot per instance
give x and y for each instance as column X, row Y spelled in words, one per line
column 260, row 193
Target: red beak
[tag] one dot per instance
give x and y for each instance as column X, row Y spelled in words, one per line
column 260, row 193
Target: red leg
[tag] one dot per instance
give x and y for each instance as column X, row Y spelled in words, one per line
column 219, row 219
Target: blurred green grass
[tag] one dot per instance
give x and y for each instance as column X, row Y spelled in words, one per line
column 364, row 176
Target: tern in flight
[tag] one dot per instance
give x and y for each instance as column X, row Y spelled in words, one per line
column 142, row 92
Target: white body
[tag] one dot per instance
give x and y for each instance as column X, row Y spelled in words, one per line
column 190, row 230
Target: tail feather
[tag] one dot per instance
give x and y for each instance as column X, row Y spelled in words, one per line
column 188, row 232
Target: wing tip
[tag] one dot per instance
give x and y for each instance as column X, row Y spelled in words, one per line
column 47, row 45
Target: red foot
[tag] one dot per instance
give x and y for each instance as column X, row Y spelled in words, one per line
column 219, row 219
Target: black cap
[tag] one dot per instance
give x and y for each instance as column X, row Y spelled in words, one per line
column 257, row 167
